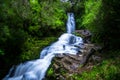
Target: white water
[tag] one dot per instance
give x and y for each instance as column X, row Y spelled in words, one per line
column 36, row 69
column 70, row 23
column 64, row 0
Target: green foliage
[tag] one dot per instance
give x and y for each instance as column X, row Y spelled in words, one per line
column 53, row 15
column 91, row 10
column 102, row 20
column 50, row 72
column 91, row 16
column 24, row 19
column 33, row 46
column 1, row 52
column 79, row 11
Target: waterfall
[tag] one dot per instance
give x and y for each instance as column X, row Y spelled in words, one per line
column 70, row 23
column 64, row 0
column 36, row 69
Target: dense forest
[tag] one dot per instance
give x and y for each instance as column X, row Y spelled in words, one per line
column 27, row 26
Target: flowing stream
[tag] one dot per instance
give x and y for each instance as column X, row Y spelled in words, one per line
column 35, row 70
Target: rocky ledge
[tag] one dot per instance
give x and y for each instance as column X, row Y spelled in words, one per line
column 64, row 65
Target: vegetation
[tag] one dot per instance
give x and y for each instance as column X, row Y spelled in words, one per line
column 108, row 69
column 27, row 26
column 101, row 18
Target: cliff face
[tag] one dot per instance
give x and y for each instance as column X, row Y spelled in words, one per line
column 64, row 65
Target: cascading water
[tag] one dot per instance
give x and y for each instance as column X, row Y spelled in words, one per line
column 63, row 0
column 36, row 69
column 70, row 23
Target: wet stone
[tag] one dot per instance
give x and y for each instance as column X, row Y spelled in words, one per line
column 69, row 64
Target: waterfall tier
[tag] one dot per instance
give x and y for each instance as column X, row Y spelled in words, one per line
column 70, row 23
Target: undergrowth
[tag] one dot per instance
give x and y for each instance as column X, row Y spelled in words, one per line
column 107, row 70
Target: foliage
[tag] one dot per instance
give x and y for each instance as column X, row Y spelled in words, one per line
column 101, row 18
column 79, row 10
column 50, row 72
column 22, row 20
column 33, row 47
column 1, row 52
column 91, row 10
column 92, row 18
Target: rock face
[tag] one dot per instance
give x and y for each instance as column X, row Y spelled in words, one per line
column 66, row 64
column 86, row 34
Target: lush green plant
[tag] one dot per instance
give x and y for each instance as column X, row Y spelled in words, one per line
column 101, row 18
column 24, row 20
column 50, row 72
column 92, row 18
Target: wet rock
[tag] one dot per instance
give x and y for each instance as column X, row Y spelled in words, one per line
column 66, row 64
column 85, row 34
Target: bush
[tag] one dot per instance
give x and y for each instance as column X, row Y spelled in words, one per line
column 101, row 19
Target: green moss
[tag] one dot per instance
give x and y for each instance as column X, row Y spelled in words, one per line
column 50, row 72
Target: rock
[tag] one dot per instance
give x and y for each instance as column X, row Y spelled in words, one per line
column 69, row 64
column 85, row 34
column 64, row 65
